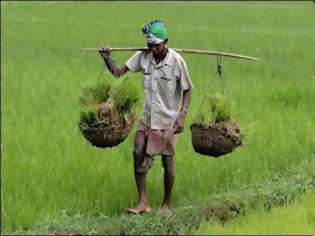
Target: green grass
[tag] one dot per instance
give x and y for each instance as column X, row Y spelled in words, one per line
column 296, row 218
column 280, row 190
column 49, row 168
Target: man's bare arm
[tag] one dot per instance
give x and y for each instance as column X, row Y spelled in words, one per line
column 110, row 63
column 186, row 100
column 179, row 123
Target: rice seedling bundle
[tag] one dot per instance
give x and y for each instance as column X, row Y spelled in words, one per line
column 107, row 112
column 213, row 132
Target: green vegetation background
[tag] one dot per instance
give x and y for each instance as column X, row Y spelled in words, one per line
column 48, row 168
column 298, row 218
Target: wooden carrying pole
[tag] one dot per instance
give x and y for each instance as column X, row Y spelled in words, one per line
column 193, row 51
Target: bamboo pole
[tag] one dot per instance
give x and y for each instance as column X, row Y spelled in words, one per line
column 193, row 51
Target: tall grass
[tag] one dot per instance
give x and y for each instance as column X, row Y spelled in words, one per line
column 49, row 168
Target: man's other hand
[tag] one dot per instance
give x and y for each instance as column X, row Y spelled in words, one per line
column 179, row 123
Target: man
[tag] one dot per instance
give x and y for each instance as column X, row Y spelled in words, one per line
column 167, row 89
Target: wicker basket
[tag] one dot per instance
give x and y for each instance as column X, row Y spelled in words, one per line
column 104, row 137
column 215, row 139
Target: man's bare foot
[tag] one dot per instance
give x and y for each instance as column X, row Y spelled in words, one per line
column 165, row 209
column 140, row 208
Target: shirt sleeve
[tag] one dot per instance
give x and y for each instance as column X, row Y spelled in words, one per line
column 184, row 76
column 133, row 63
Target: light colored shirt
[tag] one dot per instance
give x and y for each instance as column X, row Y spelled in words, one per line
column 163, row 87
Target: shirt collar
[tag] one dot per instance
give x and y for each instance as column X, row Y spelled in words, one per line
column 168, row 60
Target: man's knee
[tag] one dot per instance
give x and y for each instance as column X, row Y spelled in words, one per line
column 139, row 145
column 138, row 153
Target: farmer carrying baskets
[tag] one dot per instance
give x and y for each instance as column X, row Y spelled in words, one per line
column 167, row 89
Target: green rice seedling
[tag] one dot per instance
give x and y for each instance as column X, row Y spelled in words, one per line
column 215, row 108
column 124, row 94
column 87, row 97
column 118, row 99
column 107, row 114
column 89, row 102
column 102, row 91
column 89, row 115
column 220, row 108
column 95, row 94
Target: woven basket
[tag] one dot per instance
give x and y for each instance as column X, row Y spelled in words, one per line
column 104, row 137
column 215, row 139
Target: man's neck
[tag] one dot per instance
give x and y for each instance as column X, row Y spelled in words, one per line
column 158, row 59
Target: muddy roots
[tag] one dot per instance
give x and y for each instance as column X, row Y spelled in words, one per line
column 110, row 128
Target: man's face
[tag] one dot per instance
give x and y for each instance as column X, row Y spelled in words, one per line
column 157, row 49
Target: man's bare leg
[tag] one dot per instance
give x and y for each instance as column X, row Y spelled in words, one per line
column 140, row 159
column 169, row 177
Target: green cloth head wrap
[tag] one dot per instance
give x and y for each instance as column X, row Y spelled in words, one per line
column 155, row 31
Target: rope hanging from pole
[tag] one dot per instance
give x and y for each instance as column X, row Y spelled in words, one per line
column 219, row 67
column 220, row 74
